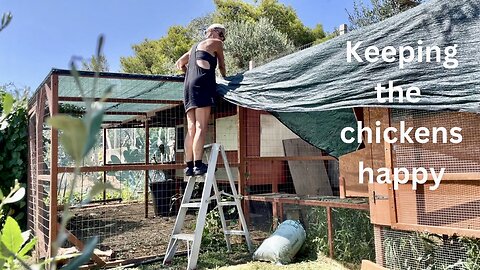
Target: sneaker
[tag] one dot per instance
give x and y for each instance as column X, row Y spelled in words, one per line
column 188, row 171
column 200, row 170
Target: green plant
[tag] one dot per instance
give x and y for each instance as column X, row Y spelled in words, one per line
column 14, row 244
column 13, row 147
column 353, row 234
column 473, row 253
column 6, row 18
column 213, row 238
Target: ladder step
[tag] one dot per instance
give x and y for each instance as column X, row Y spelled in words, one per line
column 234, row 232
column 184, row 236
column 191, row 205
column 227, row 203
column 198, row 179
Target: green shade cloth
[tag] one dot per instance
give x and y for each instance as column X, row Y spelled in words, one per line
column 318, row 81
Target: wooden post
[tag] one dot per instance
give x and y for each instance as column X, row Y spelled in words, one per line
column 330, row 231
column 343, row 29
column 53, row 169
column 378, row 238
column 104, row 163
column 343, row 192
column 147, row 161
column 251, row 64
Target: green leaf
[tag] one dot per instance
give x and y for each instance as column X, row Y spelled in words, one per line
column 74, row 136
column 96, row 189
column 1, row 193
column 17, row 196
column 114, row 159
column 93, row 122
column 7, row 103
column 26, row 248
column 85, row 257
column 11, row 235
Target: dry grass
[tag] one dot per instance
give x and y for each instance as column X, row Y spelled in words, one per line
column 322, row 262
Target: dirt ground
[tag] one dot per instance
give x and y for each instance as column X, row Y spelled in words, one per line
column 123, row 229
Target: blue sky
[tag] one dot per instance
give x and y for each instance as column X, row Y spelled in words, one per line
column 46, row 34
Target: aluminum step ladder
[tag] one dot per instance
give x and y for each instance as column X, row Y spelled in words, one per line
column 193, row 240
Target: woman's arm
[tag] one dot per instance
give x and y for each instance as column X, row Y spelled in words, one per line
column 183, row 61
column 221, row 58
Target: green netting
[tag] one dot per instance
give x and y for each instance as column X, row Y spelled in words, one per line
column 123, row 88
column 109, row 118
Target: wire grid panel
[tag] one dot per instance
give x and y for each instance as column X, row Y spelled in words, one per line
column 399, row 250
column 32, row 179
column 454, row 204
column 463, row 157
column 120, row 223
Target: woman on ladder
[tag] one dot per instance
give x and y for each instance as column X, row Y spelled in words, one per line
column 199, row 64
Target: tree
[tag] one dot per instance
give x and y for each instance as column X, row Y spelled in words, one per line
column 318, row 32
column 196, row 28
column 158, row 56
column 380, row 10
column 94, row 64
column 234, row 11
column 285, row 19
column 257, row 41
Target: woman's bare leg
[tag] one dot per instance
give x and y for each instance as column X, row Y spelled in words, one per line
column 202, row 115
column 188, row 146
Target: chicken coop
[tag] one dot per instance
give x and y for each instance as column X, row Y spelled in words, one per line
column 139, row 151
column 422, row 228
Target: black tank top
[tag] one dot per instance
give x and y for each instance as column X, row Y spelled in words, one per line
column 200, row 84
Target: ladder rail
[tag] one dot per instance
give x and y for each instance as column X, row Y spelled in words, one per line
column 210, row 182
column 243, row 222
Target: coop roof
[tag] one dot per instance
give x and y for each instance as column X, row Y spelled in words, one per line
column 131, row 95
column 312, row 91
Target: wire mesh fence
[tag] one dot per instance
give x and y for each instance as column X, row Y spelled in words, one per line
column 414, row 250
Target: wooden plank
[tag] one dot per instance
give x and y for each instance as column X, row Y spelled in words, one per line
column 368, row 265
column 448, row 176
column 104, row 157
column 125, row 100
column 309, row 177
column 379, row 201
column 386, row 117
column 147, row 161
column 76, row 242
column 49, row 94
column 378, row 238
column 304, row 158
column 308, row 202
column 130, row 167
column 341, row 187
column 437, row 230
column 241, row 157
column 349, row 167
column 53, row 169
column 330, row 232
column 381, row 207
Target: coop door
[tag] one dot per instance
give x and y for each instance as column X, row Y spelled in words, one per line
column 379, row 204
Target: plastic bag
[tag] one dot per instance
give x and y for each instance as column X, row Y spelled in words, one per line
column 283, row 244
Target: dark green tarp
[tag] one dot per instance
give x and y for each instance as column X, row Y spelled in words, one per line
column 318, row 81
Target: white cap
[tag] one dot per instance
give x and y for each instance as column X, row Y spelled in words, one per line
column 217, row 26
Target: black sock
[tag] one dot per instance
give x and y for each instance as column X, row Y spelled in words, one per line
column 190, row 164
column 198, row 163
